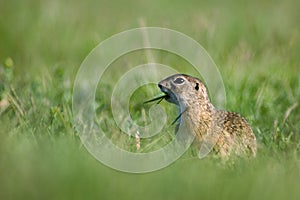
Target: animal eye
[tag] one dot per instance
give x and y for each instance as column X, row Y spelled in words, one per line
column 179, row 80
column 197, row 86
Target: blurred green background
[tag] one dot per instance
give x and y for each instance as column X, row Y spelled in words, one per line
column 255, row 44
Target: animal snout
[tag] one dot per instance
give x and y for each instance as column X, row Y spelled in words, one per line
column 160, row 85
column 163, row 84
column 163, row 87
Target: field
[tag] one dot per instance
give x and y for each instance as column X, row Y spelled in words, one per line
column 255, row 44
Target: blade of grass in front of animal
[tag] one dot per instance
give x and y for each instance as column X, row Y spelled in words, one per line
column 159, row 99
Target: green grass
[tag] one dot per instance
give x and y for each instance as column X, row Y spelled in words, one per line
column 255, row 44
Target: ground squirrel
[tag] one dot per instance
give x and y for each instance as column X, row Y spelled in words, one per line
column 234, row 134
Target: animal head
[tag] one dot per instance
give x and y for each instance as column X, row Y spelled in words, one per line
column 184, row 90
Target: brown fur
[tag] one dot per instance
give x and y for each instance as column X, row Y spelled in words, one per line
column 228, row 132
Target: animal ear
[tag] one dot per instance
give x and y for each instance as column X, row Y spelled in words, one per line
column 197, row 86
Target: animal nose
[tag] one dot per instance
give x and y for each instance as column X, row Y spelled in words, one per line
column 160, row 85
